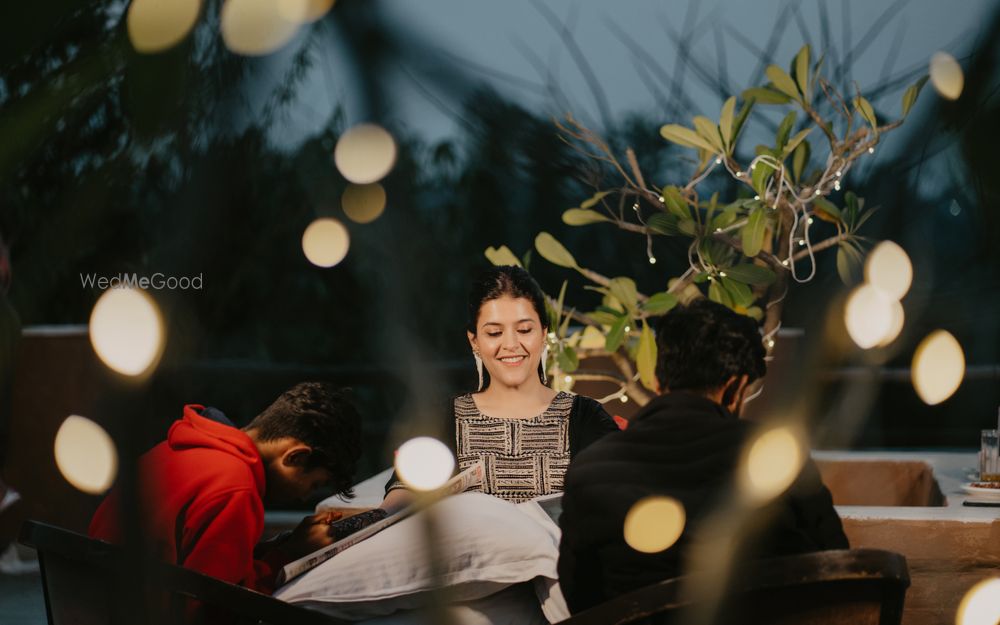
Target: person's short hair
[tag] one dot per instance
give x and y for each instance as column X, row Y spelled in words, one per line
column 320, row 415
column 702, row 345
column 505, row 280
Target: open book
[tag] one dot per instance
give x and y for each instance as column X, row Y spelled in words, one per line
column 473, row 476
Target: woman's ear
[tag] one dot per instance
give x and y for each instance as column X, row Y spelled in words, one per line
column 472, row 341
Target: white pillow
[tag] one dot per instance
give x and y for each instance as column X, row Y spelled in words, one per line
column 485, row 544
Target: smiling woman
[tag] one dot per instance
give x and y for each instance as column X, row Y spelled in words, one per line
column 522, row 431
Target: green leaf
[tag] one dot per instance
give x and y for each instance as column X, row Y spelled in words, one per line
column 800, row 157
column 826, row 210
column 802, row 70
column 645, row 358
column 718, row 294
column 568, row 360
column 738, row 123
column 594, row 199
column 726, row 121
column 674, row 201
column 662, row 223
column 848, row 261
column 553, row 251
column 616, row 335
column 623, row 289
column 688, row 227
column 501, row 256
column 526, row 259
column 784, row 129
column 723, row 220
column 795, row 141
column 659, row 303
column 557, row 316
column 748, row 273
column 739, row 293
column 604, row 318
column 684, row 136
column 709, row 132
column 763, row 95
column 753, row 233
column 582, row 217
column 911, row 93
column 758, row 178
column 564, row 328
column 783, row 82
column 754, row 312
column 864, row 107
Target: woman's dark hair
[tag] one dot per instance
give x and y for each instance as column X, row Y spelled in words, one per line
column 320, row 415
column 511, row 281
column 702, row 345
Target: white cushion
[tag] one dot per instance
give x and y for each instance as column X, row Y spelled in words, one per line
column 484, row 545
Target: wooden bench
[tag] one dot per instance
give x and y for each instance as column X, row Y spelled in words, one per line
column 91, row 582
column 855, row 587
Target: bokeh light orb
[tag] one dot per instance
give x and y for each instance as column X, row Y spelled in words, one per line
column 771, row 463
column 654, row 524
column 898, row 319
column 86, row 455
column 870, row 316
column 363, row 203
column 304, row 11
column 258, row 27
column 946, row 75
column 424, row 463
column 981, row 605
column 888, row 269
column 325, row 242
column 938, row 367
column 365, row 153
column 126, row 331
column 158, row 25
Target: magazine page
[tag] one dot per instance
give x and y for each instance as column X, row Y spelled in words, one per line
column 462, row 482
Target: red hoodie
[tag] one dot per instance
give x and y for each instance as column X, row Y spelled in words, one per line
column 202, row 502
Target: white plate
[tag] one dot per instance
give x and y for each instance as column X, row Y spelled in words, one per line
column 991, row 494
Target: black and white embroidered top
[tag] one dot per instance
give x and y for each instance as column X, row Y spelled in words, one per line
column 524, row 458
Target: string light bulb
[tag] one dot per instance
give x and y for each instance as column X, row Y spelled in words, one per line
column 652, row 260
column 871, row 150
column 624, row 399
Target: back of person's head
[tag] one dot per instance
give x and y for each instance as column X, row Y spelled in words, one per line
column 321, row 416
column 703, row 345
column 500, row 281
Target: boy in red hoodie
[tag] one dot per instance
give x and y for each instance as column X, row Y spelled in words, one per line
column 204, row 489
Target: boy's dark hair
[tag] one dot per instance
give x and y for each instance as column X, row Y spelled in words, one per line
column 320, row 415
column 702, row 345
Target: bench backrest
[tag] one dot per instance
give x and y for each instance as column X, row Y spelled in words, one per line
column 91, row 582
column 848, row 587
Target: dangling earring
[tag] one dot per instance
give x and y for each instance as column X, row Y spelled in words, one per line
column 479, row 368
column 545, row 360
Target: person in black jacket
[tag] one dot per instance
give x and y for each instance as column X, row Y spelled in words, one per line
column 685, row 444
